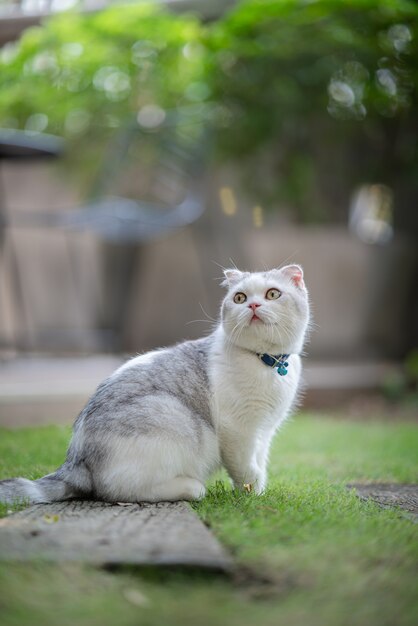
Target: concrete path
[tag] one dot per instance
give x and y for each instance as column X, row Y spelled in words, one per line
column 49, row 390
column 43, row 390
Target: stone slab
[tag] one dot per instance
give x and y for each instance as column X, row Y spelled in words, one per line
column 101, row 533
column 390, row 495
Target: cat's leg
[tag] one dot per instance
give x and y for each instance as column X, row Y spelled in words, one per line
column 262, row 459
column 240, row 460
column 168, row 458
column 262, row 454
column 179, row 488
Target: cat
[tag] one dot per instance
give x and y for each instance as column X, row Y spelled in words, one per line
column 162, row 423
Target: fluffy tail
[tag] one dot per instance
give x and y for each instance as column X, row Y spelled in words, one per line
column 50, row 488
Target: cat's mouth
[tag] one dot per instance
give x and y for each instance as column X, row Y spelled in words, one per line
column 255, row 318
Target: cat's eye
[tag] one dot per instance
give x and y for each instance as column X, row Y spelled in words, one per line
column 273, row 294
column 240, row 297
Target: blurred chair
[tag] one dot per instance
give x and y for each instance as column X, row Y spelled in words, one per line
column 21, row 146
column 159, row 168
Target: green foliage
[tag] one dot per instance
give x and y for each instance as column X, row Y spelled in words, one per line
column 86, row 73
column 310, row 98
column 85, row 76
column 317, row 96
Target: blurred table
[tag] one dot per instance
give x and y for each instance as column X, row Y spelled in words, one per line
column 18, row 144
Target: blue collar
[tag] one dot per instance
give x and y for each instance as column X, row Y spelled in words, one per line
column 275, row 360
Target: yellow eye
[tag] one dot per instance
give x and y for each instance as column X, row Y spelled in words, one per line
column 273, row 294
column 240, row 297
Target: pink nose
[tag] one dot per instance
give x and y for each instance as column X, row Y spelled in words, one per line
column 253, row 305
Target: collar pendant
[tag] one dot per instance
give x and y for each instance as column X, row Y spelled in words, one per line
column 278, row 361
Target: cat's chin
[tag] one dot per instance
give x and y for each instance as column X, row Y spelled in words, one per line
column 257, row 321
column 255, row 338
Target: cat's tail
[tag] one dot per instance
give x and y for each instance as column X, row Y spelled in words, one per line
column 50, row 488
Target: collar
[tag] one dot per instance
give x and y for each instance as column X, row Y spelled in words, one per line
column 278, row 361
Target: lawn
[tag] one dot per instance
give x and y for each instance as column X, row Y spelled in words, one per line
column 309, row 552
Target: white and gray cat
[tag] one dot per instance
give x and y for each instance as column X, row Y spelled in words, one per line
column 159, row 426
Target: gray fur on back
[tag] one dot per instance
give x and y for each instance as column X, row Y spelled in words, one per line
column 118, row 407
column 180, row 371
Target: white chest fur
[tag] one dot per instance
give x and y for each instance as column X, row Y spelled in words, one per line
column 248, row 392
column 249, row 402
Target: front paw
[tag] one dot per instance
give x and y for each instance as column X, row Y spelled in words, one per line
column 257, row 485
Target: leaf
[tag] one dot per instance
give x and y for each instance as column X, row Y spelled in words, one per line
column 136, row 597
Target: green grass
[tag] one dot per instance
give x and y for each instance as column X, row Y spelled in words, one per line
column 309, row 551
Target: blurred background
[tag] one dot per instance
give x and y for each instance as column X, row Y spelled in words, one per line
column 146, row 145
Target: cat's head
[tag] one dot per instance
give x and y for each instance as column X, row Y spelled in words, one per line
column 266, row 311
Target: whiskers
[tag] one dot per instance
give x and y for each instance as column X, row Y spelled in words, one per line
column 235, row 334
column 213, row 322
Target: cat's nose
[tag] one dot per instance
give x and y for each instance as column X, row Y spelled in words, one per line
column 253, row 305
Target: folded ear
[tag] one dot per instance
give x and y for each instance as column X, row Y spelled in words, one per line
column 232, row 277
column 295, row 274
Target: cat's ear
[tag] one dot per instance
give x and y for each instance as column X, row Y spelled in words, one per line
column 232, row 277
column 295, row 274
